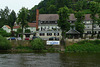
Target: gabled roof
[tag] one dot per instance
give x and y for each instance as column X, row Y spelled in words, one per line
column 55, row 17
column 72, row 17
column 32, row 24
column 16, row 27
column 72, row 31
column 8, row 26
column 88, row 17
column 48, row 17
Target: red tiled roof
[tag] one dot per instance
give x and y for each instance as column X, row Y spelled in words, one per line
column 8, row 26
column 32, row 24
column 16, row 27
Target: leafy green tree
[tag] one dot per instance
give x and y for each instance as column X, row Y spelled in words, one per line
column 63, row 21
column 94, row 7
column 52, row 9
column 4, row 16
column 38, row 44
column 4, row 33
column 27, row 31
column 4, row 43
column 11, row 20
column 22, row 17
column 79, row 23
column 19, row 30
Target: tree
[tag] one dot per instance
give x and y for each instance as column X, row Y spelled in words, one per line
column 22, row 17
column 4, row 33
column 63, row 21
column 11, row 20
column 27, row 31
column 4, row 16
column 79, row 23
column 52, row 9
column 94, row 7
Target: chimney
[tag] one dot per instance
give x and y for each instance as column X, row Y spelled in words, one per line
column 37, row 18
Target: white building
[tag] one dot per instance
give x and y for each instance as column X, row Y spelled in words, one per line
column 6, row 28
column 45, row 23
column 47, row 26
column 32, row 27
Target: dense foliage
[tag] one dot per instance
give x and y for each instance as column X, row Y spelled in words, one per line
column 52, row 6
column 27, row 31
column 79, row 23
column 4, row 33
column 84, row 46
column 4, row 43
column 37, row 44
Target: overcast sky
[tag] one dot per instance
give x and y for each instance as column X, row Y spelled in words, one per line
column 18, row 4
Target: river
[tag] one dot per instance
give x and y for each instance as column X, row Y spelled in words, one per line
column 50, row 60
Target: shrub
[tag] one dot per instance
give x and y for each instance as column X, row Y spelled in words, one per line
column 4, row 33
column 27, row 31
column 4, row 43
column 84, row 46
column 37, row 44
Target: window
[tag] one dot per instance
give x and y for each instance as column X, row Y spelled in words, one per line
column 94, row 26
column 98, row 32
column 49, row 34
column 42, row 34
column 72, row 21
column 99, row 25
column 88, row 32
column 95, row 32
column 56, row 34
column 52, row 22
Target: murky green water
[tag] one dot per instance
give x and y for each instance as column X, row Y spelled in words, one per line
column 50, row 60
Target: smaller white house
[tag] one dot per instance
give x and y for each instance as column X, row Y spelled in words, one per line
column 32, row 27
column 8, row 28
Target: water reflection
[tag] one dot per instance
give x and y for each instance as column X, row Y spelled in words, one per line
column 50, row 60
column 80, row 59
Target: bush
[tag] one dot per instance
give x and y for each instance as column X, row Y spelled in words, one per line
column 37, row 44
column 4, row 33
column 27, row 31
column 4, row 43
column 84, row 46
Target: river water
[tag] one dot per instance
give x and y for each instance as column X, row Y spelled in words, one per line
column 50, row 60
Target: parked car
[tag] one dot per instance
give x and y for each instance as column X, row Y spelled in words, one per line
column 53, row 38
column 19, row 38
column 12, row 38
column 27, row 38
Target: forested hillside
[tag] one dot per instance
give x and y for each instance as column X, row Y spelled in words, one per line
column 52, row 6
column 7, row 17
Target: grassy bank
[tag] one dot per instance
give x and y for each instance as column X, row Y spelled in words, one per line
column 84, row 46
column 37, row 45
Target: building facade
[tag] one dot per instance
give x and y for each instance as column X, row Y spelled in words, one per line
column 46, row 23
column 47, row 26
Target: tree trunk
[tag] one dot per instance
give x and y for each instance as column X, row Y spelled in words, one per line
column 63, row 37
column 92, row 29
column 12, row 33
column 23, row 33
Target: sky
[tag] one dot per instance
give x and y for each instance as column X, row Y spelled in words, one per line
column 16, row 5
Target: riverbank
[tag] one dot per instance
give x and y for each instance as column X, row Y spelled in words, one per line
column 84, row 46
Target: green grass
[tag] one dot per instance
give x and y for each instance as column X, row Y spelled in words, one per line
column 84, row 46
